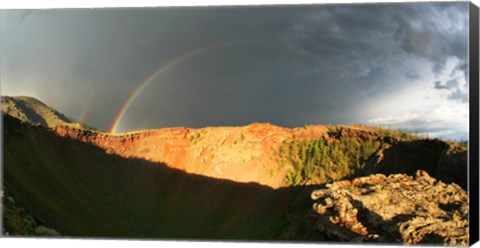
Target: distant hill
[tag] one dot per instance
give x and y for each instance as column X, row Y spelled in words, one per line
column 35, row 112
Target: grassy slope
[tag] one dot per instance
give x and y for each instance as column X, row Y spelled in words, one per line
column 79, row 190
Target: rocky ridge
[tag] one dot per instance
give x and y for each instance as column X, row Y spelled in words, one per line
column 241, row 154
column 248, row 153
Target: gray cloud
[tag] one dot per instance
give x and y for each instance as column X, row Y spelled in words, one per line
column 413, row 75
column 440, row 86
column 430, row 38
column 286, row 65
column 456, row 90
column 459, row 95
column 381, row 37
column 448, row 85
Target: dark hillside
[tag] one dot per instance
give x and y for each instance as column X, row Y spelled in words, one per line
column 444, row 160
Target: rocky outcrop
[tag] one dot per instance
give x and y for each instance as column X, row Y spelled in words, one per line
column 395, row 208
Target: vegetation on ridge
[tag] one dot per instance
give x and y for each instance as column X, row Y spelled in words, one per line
column 340, row 154
column 316, row 161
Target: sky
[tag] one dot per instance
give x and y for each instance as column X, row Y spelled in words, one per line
column 401, row 65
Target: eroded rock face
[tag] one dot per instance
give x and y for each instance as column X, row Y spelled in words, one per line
column 397, row 208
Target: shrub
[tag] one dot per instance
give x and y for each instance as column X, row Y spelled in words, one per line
column 194, row 137
column 45, row 231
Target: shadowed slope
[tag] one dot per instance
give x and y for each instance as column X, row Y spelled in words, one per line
column 80, row 190
column 444, row 160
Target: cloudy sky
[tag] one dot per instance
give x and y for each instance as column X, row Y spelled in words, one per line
column 401, row 65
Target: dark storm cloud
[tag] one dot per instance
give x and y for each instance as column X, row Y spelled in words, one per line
column 77, row 53
column 286, row 65
column 380, row 33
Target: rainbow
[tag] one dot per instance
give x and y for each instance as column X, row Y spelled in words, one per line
column 88, row 107
column 113, row 68
column 150, row 78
